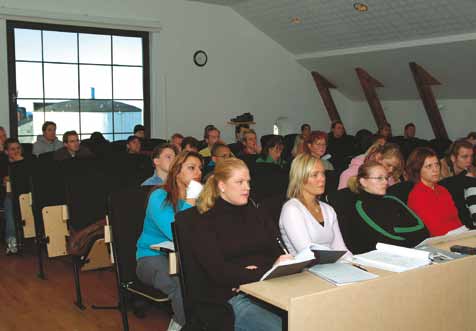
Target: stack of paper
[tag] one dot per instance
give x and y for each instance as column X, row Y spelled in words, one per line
column 341, row 273
column 394, row 258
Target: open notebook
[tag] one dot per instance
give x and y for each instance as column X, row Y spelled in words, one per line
column 311, row 255
column 393, row 258
column 341, row 273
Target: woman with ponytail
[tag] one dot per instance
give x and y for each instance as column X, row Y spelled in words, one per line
column 374, row 217
column 233, row 244
column 164, row 202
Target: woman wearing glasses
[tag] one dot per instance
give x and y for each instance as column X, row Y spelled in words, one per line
column 316, row 145
column 372, row 216
column 430, row 201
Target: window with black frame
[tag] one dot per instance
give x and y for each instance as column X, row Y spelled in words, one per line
column 83, row 79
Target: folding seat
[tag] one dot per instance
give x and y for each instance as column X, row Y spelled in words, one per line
column 126, row 210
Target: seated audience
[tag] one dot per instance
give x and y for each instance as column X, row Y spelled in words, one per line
column 304, row 219
column 272, row 151
column 48, row 142
column 363, row 140
column 385, row 130
column 237, row 146
column 176, row 140
column 72, row 149
column 459, row 158
column 162, row 157
column 234, row 245
column 250, row 146
column 409, row 131
column 139, row 131
column 372, row 216
column 164, row 203
column 14, row 154
column 3, row 138
column 298, row 147
column 212, row 136
column 429, row 200
column 387, row 155
column 98, row 138
column 220, row 152
column 133, row 145
column 316, row 144
column 190, row 144
column 341, row 146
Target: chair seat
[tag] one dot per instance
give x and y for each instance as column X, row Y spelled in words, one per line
column 149, row 292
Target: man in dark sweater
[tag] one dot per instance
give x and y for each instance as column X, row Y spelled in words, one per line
column 340, row 146
column 72, row 148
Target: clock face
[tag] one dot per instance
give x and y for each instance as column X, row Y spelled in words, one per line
column 200, row 58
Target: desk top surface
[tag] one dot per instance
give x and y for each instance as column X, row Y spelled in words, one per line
column 280, row 291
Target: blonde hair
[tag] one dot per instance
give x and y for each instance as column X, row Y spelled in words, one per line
column 387, row 151
column 222, row 172
column 301, row 168
column 364, row 172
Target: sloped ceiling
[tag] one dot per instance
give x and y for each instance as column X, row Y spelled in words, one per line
column 332, row 38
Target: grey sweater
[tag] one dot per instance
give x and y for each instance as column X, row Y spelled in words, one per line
column 44, row 146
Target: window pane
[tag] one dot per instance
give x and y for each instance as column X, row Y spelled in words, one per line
column 95, row 82
column 30, row 117
column 27, row 44
column 127, row 50
column 94, row 48
column 27, row 139
column 60, row 46
column 96, row 115
column 64, row 113
column 29, row 80
column 127, row 114
column 127, row 83
column 61, row 81
column 122, row 136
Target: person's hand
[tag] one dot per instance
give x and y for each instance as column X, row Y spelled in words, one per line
column 282, row 258
column 251, row 267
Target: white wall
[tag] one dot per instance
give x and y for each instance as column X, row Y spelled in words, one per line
column 246, row 71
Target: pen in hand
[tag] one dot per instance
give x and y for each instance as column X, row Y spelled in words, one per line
column 280, row 243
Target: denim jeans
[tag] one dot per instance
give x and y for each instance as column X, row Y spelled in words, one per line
column 154, row 271
column 251, row 315
column 10, row 228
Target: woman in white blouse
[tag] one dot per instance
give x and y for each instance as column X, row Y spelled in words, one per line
column 304, row 219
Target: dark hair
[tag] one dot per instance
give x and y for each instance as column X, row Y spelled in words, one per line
column 68, row 134
column 408, row 125
column 194, row 143
column 170, row 186
column 315, row 135
column 239, row 126
column 363, row 140
column 139, row 127
column 305, row 125
column 272, row 141
column 160, row 148
column 176, row 135
column 11, row 141
column 416, row 160
column 211, row 129
column 131, row 138
column 471, row 135
column 216, row 147
column 206, row 129
column 97, row 137
column 46, row 125
column 334, row 123
column 454, row 151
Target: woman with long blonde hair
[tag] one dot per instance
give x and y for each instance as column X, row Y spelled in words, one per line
column 233, row 244
column 304, row 219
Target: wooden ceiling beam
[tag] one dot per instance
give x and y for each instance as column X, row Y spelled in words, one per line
column 323, row 86
column 369, row 85
column 424, row 82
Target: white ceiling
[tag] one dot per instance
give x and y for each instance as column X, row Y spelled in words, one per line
column 333, row 39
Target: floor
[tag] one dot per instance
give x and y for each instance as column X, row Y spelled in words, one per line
column 30, row 303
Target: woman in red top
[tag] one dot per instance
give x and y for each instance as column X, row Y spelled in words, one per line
column 430, row 201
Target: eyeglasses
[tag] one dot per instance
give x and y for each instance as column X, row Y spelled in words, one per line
column 380, row 178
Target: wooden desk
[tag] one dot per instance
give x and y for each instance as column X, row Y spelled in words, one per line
column 435, row 297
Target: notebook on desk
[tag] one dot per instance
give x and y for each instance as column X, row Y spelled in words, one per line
column 341, row 273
